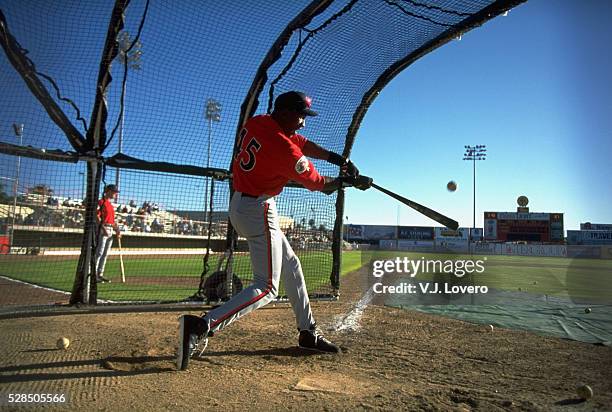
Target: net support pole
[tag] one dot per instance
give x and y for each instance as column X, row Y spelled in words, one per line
column 83, row 288
column 337, row 243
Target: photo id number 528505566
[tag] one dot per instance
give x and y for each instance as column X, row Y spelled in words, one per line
column 25, row 398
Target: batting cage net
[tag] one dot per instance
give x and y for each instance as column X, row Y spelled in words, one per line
column 149, row 95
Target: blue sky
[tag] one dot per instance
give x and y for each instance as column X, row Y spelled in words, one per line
column 533, row 86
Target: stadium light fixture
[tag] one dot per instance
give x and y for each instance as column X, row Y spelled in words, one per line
column 212, row 114
column 474, row 153
column 18, row 128
column 129, row 53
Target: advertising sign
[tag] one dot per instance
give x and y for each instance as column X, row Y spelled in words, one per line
column 477, row 233
column 415, row 232
column 589, row 237
column 595, row 226
column 490, row 229
column 387, row 244
column 444, row 233
column 354, row 231
column 378, row 232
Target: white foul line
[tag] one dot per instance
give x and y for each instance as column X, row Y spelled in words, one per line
column 350, row 321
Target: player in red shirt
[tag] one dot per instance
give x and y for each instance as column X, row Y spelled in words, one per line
column 106, row 224
column 270, row 154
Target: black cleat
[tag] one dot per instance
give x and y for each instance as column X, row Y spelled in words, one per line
column 102, row 279
column 193, row 331
column 311, row 340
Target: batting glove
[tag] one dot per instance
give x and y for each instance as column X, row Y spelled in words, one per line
column 347, row 167
column 350, row 169
column 360, row 182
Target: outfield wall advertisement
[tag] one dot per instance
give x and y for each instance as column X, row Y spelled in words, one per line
column 596, row 226
column 415, row 232
column 531, row 250
column 444, row 233
column 379, row 232
column 589, row 237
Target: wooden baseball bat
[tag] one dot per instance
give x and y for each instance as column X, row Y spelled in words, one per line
column 432, row 214
column 121, row 260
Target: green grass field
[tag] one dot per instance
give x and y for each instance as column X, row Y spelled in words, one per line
column 147, row 276
column 589, row 278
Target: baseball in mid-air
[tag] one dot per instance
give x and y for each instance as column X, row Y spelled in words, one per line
column 451, row 186
column 587, row 310
column 584, row 392
column 63, row 343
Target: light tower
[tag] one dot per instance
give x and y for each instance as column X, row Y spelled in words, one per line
column 212, row 114
column 474, row 153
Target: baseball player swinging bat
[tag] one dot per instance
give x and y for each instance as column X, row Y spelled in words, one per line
column 432, row 214
column 121, row 260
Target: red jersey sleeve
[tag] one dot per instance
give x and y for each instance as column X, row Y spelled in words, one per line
column 299, row 141
column 100, row 208
column 295, row 166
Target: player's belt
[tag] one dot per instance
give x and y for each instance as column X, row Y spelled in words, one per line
column 249, row 195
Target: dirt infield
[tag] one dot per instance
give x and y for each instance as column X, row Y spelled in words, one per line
column 396, row 360
column 18, row 293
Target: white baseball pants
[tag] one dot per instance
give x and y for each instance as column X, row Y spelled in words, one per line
column 271, row 256
column 104, row 245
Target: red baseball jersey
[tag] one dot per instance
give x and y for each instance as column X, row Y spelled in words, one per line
column 268, row 159
column 106, row 212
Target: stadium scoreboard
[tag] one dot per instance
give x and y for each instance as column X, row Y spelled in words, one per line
column 528, row 227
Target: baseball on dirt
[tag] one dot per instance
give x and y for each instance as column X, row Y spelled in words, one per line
column 584, row 392
column 491, row 328
column 63, row 343
column 451, row 186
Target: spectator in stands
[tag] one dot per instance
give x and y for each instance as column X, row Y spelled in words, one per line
column 106, row 224
column 139, row 226
column 156, row 227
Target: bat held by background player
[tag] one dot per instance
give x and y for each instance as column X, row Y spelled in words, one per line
column 121, row 259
